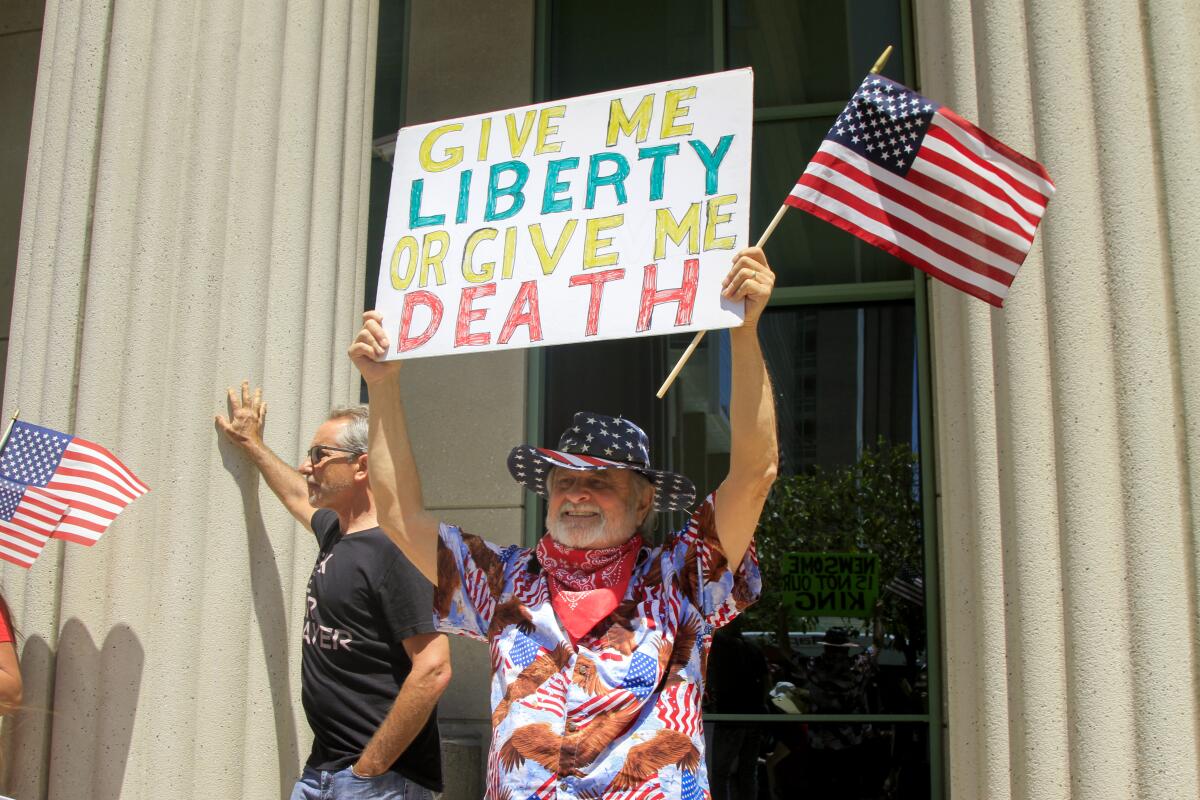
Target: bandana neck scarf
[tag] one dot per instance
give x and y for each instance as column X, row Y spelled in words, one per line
column 586, row 585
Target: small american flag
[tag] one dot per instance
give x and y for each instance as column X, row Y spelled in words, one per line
column 907, row 585
column 912, row 177
column 27, row 518
column 81, row 474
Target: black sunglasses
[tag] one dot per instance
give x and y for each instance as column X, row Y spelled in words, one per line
column 320, row 452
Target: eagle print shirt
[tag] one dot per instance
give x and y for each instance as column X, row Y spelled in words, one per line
column 618, row 715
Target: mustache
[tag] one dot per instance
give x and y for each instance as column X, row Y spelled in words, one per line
column 587, row 508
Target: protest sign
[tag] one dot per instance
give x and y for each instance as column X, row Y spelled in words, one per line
column 606, row 216
column 830, row 584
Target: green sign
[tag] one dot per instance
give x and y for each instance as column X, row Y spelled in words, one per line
column 831, row 584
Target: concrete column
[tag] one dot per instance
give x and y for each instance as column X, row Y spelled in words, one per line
column 195, row 212
column 1068, row 422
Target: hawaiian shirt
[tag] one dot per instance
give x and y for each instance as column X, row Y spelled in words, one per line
column 618, row 715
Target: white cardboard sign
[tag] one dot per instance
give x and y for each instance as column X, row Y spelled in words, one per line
column 600, row 217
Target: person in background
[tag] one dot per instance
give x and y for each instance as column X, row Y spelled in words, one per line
column 373, row 666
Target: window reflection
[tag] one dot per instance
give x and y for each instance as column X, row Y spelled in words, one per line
column 811, row 52
column 805, row 250
column 840, row 541
column 887, row 761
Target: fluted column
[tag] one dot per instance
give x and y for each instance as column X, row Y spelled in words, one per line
column 195, row 212
column 1068, row 422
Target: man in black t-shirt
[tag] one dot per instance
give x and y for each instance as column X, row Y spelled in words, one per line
column 373, row 666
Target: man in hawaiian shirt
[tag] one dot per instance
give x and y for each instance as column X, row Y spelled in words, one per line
column 598, row 639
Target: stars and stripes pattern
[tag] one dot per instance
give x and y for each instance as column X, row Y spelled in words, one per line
column 93, row 483
column 480, row 593
column 679, row 708
column 908, row 585
column 613, row 700
column 912, row 177
column 650, row 790
column 572, row 693
column 28, row 516
column 598, row 441
column 551, row 696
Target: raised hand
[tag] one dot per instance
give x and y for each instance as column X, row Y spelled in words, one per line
column 368, row 346
column 750, row 279
column 247, row 416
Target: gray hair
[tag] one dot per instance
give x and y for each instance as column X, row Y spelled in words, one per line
column 353, row 435
column 640, row 482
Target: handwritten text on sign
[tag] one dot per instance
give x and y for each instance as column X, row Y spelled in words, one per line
column 601, row 217
column 830, row 584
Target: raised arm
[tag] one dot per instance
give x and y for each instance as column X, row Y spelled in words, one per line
column 754, row 449
column 394, row 480
column 244, row 428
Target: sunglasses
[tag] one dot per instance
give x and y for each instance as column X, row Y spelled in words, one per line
column 320, row 452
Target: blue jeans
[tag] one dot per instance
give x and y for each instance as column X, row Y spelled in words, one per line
column 345, row 785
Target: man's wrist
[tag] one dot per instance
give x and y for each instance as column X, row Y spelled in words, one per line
column 358, row 772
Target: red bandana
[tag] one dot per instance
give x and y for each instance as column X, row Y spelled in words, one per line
column 586, row 585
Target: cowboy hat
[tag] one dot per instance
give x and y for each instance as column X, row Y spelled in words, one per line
column 598, row 441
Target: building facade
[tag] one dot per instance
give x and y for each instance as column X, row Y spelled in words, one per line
column 195, row 196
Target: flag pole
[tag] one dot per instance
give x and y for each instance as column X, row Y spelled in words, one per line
column 8, row 430
column 762, row 240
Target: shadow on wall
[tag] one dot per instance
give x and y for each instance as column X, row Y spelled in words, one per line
column 270, row 608
column 87, row 731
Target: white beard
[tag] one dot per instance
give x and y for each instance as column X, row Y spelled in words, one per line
column 591, row 533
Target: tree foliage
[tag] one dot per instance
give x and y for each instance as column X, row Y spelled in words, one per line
column 871, row 506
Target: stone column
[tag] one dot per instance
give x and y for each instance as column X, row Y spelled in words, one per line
column 195, row 213
column 1069, row 423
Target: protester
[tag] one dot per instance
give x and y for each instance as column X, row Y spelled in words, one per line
column 10, row 670
column 598, row 639
column 373, row 665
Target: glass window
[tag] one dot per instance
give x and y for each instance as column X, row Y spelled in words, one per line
column 848, row 761
column 595, row 47
column 805, row 250
column 388, row 116
column 811, row 52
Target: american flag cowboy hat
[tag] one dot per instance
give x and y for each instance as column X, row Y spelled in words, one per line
column 597, row 441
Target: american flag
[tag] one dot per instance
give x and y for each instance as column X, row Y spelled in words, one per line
column 907, row 585
column 81, row 474
column 912, row 177
column 27, row 518
column 650, row 790
column 678, row 709
column 551, row 696
column 610, row 701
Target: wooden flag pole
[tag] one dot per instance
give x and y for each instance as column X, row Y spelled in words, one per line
column 8, row 430
column 762, row 240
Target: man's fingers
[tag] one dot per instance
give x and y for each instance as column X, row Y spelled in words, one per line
column 735, row 280
column 233, row 401
column 245, row 393
column 362, row 349
column 262, row 414
column 373, row 339
column 375, row 328
column 257, row 397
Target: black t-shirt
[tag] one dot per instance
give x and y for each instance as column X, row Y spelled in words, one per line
column 364, row 599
